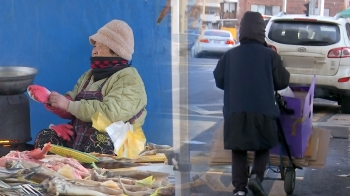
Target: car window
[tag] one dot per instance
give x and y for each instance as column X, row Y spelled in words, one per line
column 348, row 30
column 304, row 33
column 217, row 33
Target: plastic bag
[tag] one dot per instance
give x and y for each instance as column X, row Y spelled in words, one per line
column 134, row 144
column 100, row 122
column 287, row 92
column 118, row 133
column 127, row 141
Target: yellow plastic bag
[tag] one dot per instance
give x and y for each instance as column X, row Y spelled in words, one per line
column 134, row 143
column 118, row 132
column 100, row 122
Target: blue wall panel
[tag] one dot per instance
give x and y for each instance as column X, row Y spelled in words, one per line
column 52, row 36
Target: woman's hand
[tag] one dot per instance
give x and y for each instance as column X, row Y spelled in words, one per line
column 59, row 101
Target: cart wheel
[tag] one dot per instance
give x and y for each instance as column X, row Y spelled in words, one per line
column 289, row 181
column 282, row 172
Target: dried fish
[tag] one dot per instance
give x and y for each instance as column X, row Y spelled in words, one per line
column 19, row 174
column 150, row 152
column 37, row 177
column 164, row 12
column 135, row 174
column 14, row 164
column 165, row 191
column 10, row 192
column 108, row 157
column 57, row 186
column 114, row 164
column 137, row 193
column 39, row 168
column 156, row 146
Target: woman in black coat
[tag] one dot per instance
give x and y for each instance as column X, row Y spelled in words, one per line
column 249, row 74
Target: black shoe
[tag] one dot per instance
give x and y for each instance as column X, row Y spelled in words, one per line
column 240, row 193
column 254, row 185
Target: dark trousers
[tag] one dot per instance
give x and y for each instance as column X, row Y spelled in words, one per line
column 240, row 167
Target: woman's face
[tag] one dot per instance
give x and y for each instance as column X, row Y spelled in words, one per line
column 101, row 50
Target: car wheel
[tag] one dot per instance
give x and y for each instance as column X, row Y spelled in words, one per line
column 345, row 105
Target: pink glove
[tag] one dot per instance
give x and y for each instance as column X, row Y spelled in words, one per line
column 61, row 113
column 38, row 93
column 63, row 131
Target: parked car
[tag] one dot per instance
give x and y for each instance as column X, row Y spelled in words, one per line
column 213, row 41
column 314, row 45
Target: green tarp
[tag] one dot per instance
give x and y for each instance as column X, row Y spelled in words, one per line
column 345, row 13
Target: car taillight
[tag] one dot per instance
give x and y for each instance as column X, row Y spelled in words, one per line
column 342, row 52
column 230, row 42
column 272, row 47
column 204, row 40
column 344, row 79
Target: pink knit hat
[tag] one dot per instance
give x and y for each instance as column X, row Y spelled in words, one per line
column 116, row 35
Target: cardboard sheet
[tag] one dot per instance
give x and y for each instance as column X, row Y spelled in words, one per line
column 315, row 156
column 324, row 139
column 312, row 149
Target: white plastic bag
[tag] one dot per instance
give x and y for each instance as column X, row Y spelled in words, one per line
column 287, row 92
column 118, row 132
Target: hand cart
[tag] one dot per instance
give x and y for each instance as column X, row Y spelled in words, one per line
column 286, row 171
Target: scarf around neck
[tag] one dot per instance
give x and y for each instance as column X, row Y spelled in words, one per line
column 104, row 67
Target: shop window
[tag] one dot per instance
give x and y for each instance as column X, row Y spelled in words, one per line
column 265, row 10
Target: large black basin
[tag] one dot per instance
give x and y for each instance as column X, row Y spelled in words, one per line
column 15, row 79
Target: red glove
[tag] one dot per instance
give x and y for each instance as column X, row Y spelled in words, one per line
column 61, row 113
column 38, row 93
column 63, row 131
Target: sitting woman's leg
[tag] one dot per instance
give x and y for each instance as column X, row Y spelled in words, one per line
column 99, row 142
column 45, row 136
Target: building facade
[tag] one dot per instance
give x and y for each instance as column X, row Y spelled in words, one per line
column 272, row 7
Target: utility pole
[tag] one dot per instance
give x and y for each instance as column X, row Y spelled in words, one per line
column 284, row 6
column 312, row 7
column 182, row 12
column 321, row 7
column 203, row 14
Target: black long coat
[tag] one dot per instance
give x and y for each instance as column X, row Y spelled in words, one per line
column 249, row 74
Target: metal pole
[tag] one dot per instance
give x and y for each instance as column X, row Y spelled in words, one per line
column 321, row 7
column 284, row 6
column 180, row 98
column 312, row 7
column 182, row 18
column 203, row 7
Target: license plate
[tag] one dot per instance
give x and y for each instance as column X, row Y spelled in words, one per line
column 299, row 62
column 217, row 42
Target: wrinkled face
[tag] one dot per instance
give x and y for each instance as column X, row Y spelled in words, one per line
column 101, row 50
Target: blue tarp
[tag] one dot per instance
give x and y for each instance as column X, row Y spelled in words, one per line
column 52, row 36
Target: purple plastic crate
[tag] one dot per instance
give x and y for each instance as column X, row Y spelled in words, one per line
column 297, row 127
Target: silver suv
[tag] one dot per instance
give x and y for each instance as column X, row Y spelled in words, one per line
column 314, row 45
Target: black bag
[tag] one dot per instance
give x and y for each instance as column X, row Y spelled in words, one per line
column 282, row 104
